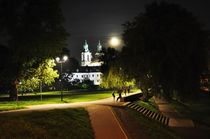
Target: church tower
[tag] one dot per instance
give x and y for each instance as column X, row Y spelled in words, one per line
column 86, row 55
column 99, row 50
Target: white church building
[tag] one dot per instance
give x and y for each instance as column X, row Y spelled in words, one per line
column 90, row 66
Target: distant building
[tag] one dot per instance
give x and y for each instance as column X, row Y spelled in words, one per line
column 87, row 58
column 90, row 66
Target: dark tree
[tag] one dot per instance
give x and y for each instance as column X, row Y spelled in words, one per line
column 32, row 31
column 108, row 57
column 5, row 57
column 73, row 64
column 165, row 47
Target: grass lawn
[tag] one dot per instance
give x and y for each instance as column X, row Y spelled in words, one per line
column 53, row 124
column 53, row 97
column 198, row 111
column 149, row 105
column 153, row 129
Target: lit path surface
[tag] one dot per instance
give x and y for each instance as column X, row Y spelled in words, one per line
column 107, row 101
column 105, row 123
column 103, row 120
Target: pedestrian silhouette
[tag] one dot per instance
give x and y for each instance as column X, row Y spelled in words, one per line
column 124, row 89
column 113, row 95
column 129, row 89
column 119, row 91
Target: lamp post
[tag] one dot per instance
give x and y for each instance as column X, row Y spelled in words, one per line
column 61, row 61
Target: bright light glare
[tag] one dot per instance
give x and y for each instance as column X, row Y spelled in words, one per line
column 65, row 58
column 57, row 59
column 114, row 41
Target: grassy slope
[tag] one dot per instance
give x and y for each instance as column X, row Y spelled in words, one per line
column 66, row 123
column 149, row 105
column 154, row 129
column 199, row 111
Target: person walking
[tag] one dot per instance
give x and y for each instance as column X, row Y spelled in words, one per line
column 129, row 89
column 119, row 91
column 124, row 90
column 113, row 95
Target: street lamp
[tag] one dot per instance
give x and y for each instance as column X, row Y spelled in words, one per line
column 61, row 61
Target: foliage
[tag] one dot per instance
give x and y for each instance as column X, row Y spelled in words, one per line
column 31, row 31
column 86, row 84
column 73, row 64
column 113, row 75
column 116, row 78
column 164, row 48
column 44, row 74
column 108, row 57
column 5, row 57
column 151, row 105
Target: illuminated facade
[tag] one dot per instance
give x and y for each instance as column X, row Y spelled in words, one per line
column 90, row 66
column 87, row 58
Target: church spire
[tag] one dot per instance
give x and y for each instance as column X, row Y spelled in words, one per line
column 99, row 47
column 85, row 46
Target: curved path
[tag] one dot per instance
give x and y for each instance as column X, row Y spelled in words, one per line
column 103, row 120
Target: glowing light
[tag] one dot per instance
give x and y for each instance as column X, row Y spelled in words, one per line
column 65, row 58
column 114, row 41
column 57, row 59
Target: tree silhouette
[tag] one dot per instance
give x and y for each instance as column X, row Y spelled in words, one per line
column 32, row 31
column 164, row 46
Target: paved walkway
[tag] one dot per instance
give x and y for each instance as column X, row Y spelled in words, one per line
column 107, row 101
column 105, row 123
column 175, row 120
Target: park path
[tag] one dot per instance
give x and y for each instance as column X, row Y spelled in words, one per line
column 105, row 123
column 44, row 107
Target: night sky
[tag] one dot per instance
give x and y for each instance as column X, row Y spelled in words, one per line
column 94, row 20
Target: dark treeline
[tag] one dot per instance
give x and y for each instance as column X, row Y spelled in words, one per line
column 165, row 51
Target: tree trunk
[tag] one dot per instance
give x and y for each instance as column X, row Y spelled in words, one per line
column 40, row 86
column 14, row 91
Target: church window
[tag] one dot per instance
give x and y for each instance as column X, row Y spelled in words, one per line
column 83, row 58
column 88, row 58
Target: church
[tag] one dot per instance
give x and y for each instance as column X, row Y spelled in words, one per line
column 90, row 66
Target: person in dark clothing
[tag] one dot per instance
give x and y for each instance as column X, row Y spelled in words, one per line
column 113, row 95
column 119, row 91
column 124, row 89
column 129, row 89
